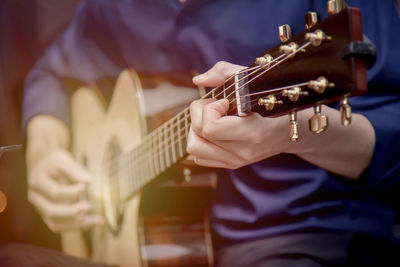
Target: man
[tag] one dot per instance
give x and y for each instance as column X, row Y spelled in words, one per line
column 320, row 201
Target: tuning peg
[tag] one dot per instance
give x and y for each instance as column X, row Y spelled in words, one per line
column 319, row 85
column 285, row 32
column 311, row 19
column 264, row 61
column 269, row 102
column 293, row 93
column 317, row 37
column 335, row 6
column 318, row 123
column 345, row 111
column 294, row 132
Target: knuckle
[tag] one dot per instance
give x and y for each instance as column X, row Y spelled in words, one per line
column 208, row 130
column 196, row 126
column 256, row 137
column 220, row 66
column 246, row 154
column 31, row 198
column 55, row 193
column 52, row 226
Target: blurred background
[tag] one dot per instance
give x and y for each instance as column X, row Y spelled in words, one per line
column 27, row 27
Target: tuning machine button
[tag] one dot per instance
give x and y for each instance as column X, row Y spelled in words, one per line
column 293, row 131
column 294, row 93
column 311, row 19
column 269, row 102
column 335, row 6
column 285, row 32
column 318, row 123
column 345, row 111
column 320, row 85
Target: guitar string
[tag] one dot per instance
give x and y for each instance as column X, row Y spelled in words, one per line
column 165, row 149
column 277, row 90
column 304, row 46
column 253, row 69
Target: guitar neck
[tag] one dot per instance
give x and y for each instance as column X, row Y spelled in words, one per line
column 159, row 150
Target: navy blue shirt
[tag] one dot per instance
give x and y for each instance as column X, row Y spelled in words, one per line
column 277, row 195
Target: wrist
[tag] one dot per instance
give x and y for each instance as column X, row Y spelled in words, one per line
column 44, row 135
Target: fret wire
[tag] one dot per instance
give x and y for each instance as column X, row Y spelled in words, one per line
column 186, row 126
column 160, row 150
column 179, row 138
column 153, row 162
column 147, row 161
column 139, row 170
column 224, row 89
column 165, row 145
column 172, row 140
column 155, row 156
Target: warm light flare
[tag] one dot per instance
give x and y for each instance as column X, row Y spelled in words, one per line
column 3, row 201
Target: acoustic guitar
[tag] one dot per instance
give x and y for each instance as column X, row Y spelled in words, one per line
column 323, row 64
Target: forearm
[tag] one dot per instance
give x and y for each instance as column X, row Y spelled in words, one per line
column 344, row 150
column 44, row 135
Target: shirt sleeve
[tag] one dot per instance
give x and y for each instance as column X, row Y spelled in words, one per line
column 84, row 52
column 381, row 105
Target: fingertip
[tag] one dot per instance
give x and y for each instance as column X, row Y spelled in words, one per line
column 85, row 177
column 221, row 105
column 199, row 78
column 85, row 206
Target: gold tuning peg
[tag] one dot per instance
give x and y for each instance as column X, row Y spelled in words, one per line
column 294, row 132
column 335, row 6
column 264, row 61
column 294, row 93
column 319, row 85
column 285, row 33
column 311, row 19
column 318, row 123
column 345, row 111
column 269, row 102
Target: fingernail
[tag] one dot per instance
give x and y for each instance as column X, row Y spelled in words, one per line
column 200, row 77
column 86, row 177
column 86, row 205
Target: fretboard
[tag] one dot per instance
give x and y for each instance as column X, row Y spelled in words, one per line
column 166, row 145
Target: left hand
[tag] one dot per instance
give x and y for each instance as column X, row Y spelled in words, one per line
column 217, row 140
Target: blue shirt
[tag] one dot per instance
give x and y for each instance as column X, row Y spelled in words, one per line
column 277, row 195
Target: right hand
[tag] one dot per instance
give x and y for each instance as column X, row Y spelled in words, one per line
column 55, row 179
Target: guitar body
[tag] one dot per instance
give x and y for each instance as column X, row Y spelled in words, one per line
column 157, row 229
column 97, row 135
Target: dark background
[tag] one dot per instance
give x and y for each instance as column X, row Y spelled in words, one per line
column 27, row 27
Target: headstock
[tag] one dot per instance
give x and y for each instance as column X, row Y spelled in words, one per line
column 312, row 68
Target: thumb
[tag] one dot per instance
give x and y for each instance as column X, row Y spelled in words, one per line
column 217, row 74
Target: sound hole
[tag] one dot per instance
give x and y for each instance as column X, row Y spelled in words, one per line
column 113, row 200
